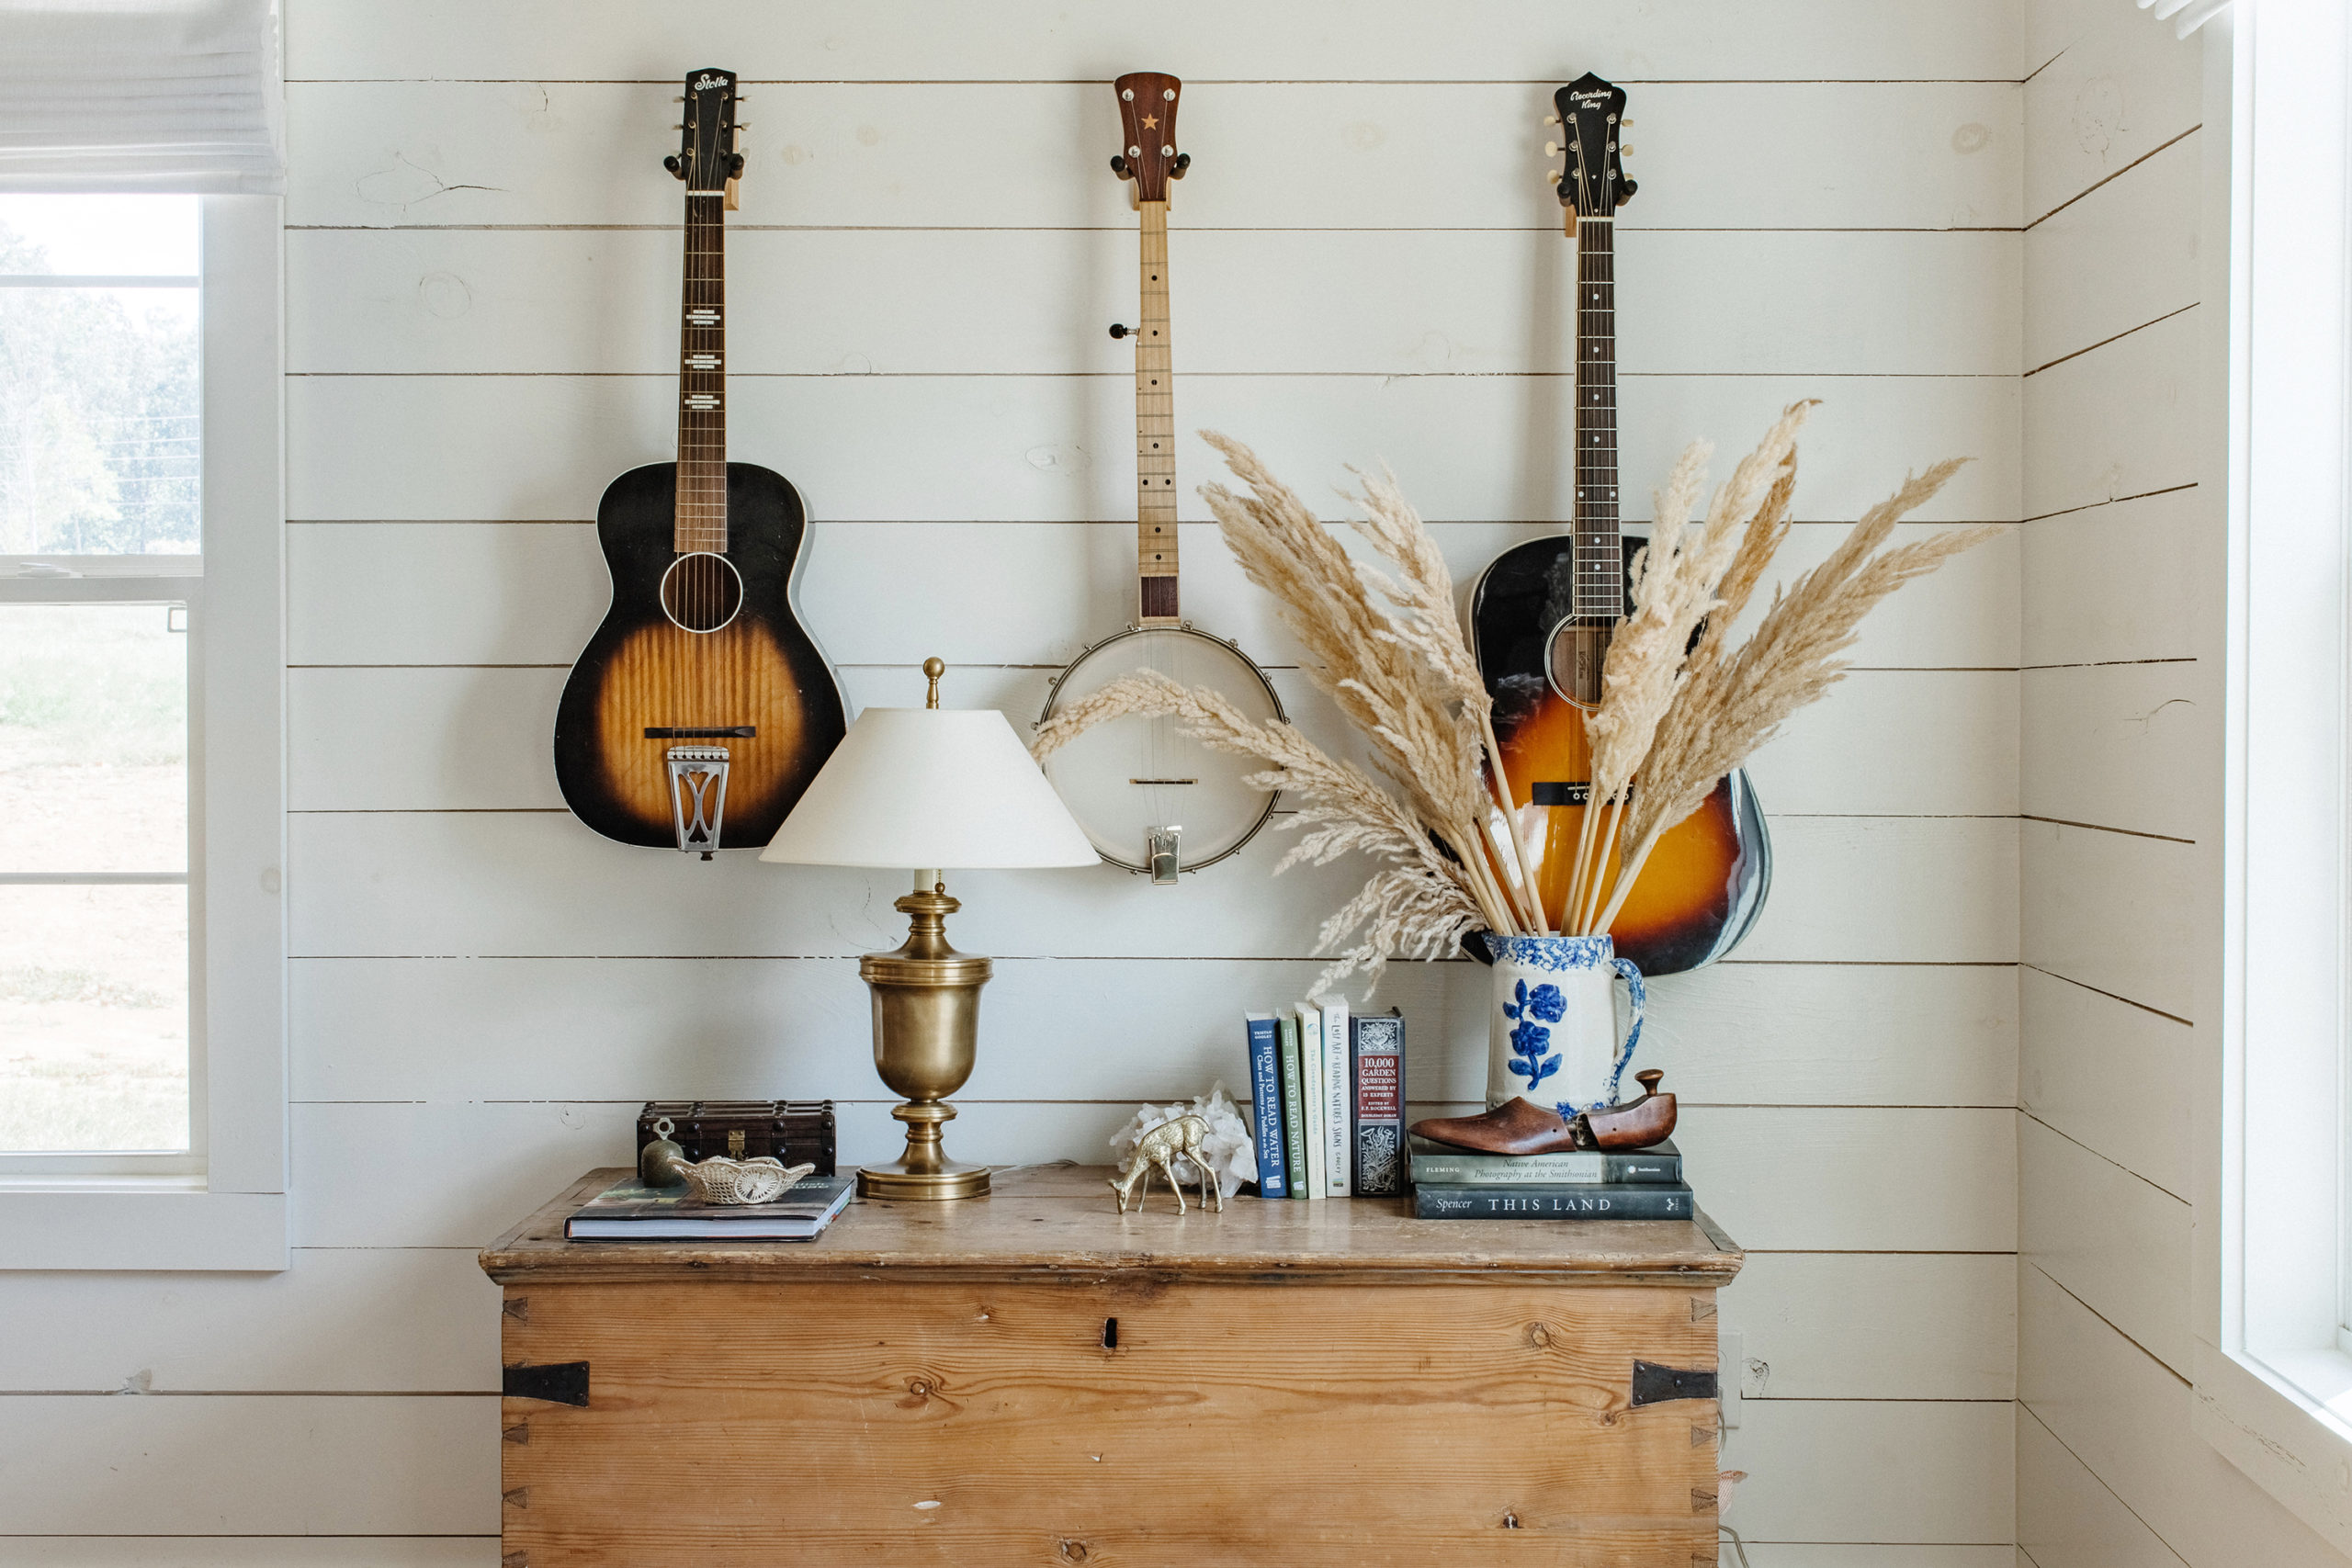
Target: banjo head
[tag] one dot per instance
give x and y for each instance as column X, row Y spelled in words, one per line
column 1127, row 778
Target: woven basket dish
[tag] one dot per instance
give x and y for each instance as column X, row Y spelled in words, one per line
column 737, row 1181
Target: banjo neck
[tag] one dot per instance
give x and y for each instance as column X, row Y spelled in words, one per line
column 1156, row 560
column 1148, row 157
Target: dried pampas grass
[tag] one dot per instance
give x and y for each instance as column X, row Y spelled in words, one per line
column 1418, row 905
column 1727, row 706
column 1680, row 706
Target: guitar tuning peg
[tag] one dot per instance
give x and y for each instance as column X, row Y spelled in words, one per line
column 678, row 100
column 1625, row 151
column 1627, row 120
column 1551, row 148
column 1548, row 119
column 1553, row 177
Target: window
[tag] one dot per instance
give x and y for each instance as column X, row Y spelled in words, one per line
column 101, row 449
column 141, row 794
column 2274, row 1357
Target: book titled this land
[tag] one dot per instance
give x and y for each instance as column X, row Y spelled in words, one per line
column 1652, row 1201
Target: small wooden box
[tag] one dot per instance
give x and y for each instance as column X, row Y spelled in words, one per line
column 1031, row 1378
column 796, row 1132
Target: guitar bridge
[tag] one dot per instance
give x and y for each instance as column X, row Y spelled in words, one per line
column 697, row 797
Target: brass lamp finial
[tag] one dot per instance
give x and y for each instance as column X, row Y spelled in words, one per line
column 933, row 667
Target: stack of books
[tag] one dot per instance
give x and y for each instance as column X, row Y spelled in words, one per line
column 629, row 1211
column 1327, row 1103
column 1459, row 1184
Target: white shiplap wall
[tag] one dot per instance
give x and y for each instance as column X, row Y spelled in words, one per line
column 1366, row 268
column 2121, row 740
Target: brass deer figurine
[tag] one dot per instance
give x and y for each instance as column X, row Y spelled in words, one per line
column 1180, row 1136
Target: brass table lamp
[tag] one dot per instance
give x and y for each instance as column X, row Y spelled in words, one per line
column 940, row 789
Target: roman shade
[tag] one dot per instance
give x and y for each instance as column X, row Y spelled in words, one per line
column 140, row 96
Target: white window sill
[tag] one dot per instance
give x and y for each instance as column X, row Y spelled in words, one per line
column 2282, row 1419
column 131, row 1223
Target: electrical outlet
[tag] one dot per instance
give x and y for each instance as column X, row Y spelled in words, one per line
column 1730, row 1374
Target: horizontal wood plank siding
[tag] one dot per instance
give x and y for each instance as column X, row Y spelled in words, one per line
column 480, row 235
column 2121, row 740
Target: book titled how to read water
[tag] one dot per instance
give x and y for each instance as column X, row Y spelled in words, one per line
column 1326, row 1095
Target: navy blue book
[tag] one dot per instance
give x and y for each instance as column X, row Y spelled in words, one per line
column 1266, row 1104
column 1654, row 1201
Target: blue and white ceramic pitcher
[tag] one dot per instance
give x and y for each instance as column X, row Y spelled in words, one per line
column 1552, row 1028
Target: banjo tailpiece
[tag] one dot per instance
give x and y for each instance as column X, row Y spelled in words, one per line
column 1160, row 853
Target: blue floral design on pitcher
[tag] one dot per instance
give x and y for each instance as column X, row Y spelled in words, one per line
column 1525, row 1047
column 1530, row 1040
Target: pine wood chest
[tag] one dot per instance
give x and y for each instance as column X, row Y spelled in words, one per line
column 1032, row 1379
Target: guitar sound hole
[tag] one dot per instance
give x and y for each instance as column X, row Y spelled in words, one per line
column 1572, row 660
column 701, row 592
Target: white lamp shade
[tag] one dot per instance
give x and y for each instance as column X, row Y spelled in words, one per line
column 931, row 787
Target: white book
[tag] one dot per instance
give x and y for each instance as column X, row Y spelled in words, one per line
column 1310, row 1073
column 1338, row 1098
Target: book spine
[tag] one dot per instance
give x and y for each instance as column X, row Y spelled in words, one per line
column 1266, row 1105
column 1378, row 1046
column 1339, row 1131
column 1600, row 1170
column 1294, row 1112
column 1649, row 1203
column 1310, row 1057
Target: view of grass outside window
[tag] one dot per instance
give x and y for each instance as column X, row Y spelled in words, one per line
column 99, row 458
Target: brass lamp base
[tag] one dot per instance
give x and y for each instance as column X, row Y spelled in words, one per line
column 924, row 1170
column 926, row 1032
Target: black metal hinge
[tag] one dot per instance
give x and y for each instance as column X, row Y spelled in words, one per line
column 566, row 1382
column 1654, row 1385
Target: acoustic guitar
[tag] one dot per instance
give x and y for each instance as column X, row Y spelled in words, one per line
column 1152, row 800
column 1541, row 613
column 700, row 710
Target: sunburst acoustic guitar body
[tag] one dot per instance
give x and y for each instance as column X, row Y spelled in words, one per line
column 1705, row 883
column 646, row 687
column 1542, row 612
column 701, row 709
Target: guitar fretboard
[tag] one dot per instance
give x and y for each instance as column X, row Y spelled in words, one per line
column 1155, row 433
column 702, row 380
column 1599, row 593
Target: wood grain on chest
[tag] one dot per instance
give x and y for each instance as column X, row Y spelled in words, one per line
column 1034, row 1379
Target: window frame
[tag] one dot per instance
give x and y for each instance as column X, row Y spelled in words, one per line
column 2273, row 1270
column 225, row 1206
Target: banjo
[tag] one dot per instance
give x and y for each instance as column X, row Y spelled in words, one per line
column 1152, row 800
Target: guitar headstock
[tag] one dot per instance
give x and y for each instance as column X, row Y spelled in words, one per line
column 707, row 158
column 1590, row 113
column 1147, row 117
